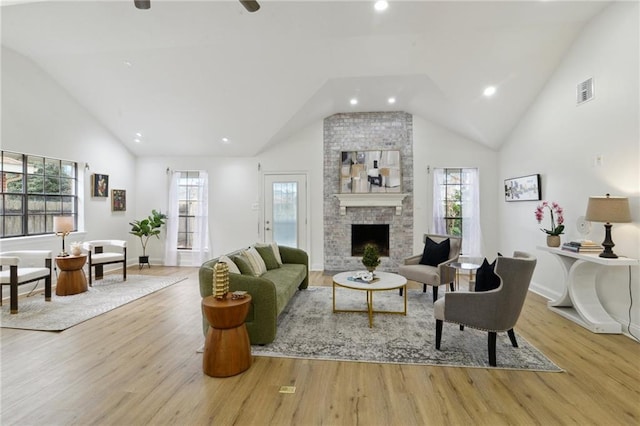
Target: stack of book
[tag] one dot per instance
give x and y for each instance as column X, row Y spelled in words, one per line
column 584, row 246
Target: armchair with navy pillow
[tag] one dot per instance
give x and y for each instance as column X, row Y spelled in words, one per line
column 431, row 267
column 493, row 311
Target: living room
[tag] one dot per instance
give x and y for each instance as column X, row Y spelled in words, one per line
column 579, row 151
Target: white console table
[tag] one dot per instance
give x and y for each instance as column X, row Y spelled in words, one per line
column 579, row 301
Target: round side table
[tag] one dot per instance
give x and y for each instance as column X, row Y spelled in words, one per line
column 227, row 350
column 72, row 279
column 464, row 266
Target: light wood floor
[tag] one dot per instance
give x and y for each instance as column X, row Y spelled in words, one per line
column 138, row 365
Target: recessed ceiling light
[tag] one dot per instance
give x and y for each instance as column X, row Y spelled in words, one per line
column 138, row 134
column 137, row 140
column 381, row 5
column 225, row 140
column 489, row 91
column 129, row 64
column 391, row 100
column 353, row 101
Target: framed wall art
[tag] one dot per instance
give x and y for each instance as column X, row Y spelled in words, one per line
column 99, row 185
column 370, row 171
column 524, row 188
column 118, row 200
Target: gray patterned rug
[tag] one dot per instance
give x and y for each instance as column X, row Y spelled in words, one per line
column 66, row 311
column 309, row 329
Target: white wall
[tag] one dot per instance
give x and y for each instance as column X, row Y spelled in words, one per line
column 560, row 141
column 436, row 147
column 303, row 152
column 41, row 118
column 233, row 189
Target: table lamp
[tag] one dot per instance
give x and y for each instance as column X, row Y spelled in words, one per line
column 608, row 210
column 62, row 226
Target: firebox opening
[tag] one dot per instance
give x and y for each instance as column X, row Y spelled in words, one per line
column 361, row 235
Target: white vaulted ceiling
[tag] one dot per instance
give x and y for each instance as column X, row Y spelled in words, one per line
column 188, row 73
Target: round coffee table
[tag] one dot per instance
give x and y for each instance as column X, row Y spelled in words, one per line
column 72, row 279
column 227, row 350
column 383, row 281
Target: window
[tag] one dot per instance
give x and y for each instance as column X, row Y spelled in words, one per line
column 188, row 207
column 187, row 241
column 456, row 206
column 34, row 190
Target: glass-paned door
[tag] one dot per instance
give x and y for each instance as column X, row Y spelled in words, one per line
column 285, row 215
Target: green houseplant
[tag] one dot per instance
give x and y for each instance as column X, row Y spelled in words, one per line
column 145, row 229
column 371, row 257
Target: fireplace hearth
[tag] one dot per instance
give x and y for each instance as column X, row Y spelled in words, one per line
column 361, row 235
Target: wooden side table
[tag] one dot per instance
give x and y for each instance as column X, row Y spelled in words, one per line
column 72, row 279
column 227, row 350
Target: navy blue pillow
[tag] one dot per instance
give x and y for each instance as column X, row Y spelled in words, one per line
column 486, row 278
column 435, row 253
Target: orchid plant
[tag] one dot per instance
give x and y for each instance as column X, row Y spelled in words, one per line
column 554, row 208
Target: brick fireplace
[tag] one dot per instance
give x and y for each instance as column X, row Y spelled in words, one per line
column 376, row 234
column 365, row 132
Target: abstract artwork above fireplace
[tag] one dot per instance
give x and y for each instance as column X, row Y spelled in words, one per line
column 363, row 172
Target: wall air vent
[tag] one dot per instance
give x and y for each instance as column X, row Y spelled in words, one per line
column 585, row 91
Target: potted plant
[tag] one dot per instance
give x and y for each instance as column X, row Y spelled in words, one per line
column 371, row 257
column 145, row 229
column 553, row 234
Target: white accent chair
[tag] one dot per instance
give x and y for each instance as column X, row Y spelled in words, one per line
column 24, row 267
column 434, row 276
column 494, row 310
column 105, row 252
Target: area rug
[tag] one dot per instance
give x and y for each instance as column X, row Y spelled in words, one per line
column 308, row 328
column 66, row 311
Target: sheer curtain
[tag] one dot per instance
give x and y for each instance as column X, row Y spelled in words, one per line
column 439, row 211
column 200, row 247
column 471, row 213
column 471, row 236
column 171, row 245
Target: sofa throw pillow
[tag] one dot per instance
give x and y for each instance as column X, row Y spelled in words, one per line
column 486, row 278
column 274, row 247
column 233, row 268
column 435, row 253
column 266, row 253
column 243, row 265
column 255, row 261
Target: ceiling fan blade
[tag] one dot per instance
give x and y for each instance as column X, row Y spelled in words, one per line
column 142, row 4
column 250, row 5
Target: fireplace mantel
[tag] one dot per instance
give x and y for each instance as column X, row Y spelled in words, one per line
column 371, row 200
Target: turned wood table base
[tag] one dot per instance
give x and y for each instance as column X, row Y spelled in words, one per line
column 72, row 279
column 227, row 350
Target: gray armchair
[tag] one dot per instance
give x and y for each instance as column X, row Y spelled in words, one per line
column 494, row 310
column 434, row 276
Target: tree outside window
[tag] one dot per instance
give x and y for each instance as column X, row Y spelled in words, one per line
column 34, row 190
column 456, row 206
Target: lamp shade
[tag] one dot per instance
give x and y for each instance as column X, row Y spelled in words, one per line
column 62, row 224
column 608, row 209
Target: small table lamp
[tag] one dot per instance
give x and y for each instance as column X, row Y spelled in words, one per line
column 62, row 226
column 608, row 209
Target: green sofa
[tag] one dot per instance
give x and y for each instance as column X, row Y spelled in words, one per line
column 269, row 292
